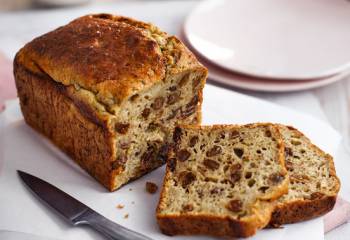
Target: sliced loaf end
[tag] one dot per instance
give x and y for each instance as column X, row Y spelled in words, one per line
column 222, row 180
column 313, row 182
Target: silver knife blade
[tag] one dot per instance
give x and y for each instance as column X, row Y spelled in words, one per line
column 67, row 206
column 77, row 212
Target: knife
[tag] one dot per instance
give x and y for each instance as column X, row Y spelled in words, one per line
column 76, row 212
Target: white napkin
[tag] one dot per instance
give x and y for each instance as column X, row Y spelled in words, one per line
column 22, row 148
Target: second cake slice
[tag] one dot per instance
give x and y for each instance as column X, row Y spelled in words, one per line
column 222, row 180
column 314, row 184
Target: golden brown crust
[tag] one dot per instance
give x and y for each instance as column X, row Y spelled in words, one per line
column 85, row 51
column 85, row 137
column 73, row 81
column 206, row 224
column 109, row 55
column 73, row 125
column 299, row 210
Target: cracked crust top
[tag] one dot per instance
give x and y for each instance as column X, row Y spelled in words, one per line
column 112, row 56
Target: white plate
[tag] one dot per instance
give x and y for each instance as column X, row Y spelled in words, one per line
column 280, row 39
column 229, row 78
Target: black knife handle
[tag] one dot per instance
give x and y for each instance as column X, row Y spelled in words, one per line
column 108, row 228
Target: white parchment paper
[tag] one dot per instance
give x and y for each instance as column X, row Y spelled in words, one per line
column 22, row 148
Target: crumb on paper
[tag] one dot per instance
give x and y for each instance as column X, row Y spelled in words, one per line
column 132, row 202
column 126, row 216
column 120, row 206
column 151, row 187
column 276, row 226
column 130, row 189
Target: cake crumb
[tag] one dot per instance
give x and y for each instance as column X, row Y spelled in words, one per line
column 130, row 189
column 275, row 225
column 151, row 187
column 126, row 216
column 120, row 206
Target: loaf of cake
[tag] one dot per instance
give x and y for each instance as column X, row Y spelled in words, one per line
column 107, row 90
column 313, row 184
column 222, row 180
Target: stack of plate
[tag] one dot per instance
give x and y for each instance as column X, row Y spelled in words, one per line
column 272, row 45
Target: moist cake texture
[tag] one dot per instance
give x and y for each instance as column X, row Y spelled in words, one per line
column 313, row 184
column 222, row 180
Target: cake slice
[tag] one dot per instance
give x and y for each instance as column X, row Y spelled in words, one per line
column 222, row 180
column 313, row 184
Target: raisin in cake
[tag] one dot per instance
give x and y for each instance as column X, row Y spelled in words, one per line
column 313, row 184
column 222, row 180
column 108, row 90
